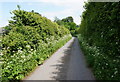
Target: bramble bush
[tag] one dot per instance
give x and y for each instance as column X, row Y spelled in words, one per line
column 29, row 41
column 100, row 38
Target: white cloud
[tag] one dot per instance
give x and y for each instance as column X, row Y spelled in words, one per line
column 63, row 14
column 62, row 2
column 73, row 8
column 3, row 23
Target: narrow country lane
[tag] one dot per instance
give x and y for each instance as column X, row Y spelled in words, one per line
column 68, row 63
column 78, row 69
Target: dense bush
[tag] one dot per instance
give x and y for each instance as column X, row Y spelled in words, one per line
column 101, row 38
column 67, row 22
column 30, row 40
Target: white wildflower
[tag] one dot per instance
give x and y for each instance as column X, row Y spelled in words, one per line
column 20, row 51
column 115, row 72
column 23, row 56
column 106, row 63
column 8, row 47
column 28, row 46
column 1, row 54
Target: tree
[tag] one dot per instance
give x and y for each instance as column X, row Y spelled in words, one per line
column 68, row 22
column 18, row 6
column 68, row 19
column 58, row 21
column 32, row 11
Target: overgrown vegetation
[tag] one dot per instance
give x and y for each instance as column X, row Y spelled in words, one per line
column 29, row 40
column 68, row 22
column 100, row 39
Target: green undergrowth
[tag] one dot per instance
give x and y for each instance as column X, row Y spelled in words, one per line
column 103, row 66
column 100, row 38
column 28, row 41
column 20, row 64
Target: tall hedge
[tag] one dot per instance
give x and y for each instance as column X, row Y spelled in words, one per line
column 29, row 40
column 100, row 33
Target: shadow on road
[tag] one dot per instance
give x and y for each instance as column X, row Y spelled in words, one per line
column 63, row 65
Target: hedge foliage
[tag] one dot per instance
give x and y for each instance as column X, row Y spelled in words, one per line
column 29, row 40
column 100, row 38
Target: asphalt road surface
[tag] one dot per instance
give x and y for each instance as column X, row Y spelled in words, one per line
column 67, row 63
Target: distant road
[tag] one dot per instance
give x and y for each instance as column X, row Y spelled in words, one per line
column 68, row 63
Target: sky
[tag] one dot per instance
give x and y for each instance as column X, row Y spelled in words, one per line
column 47, row 8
